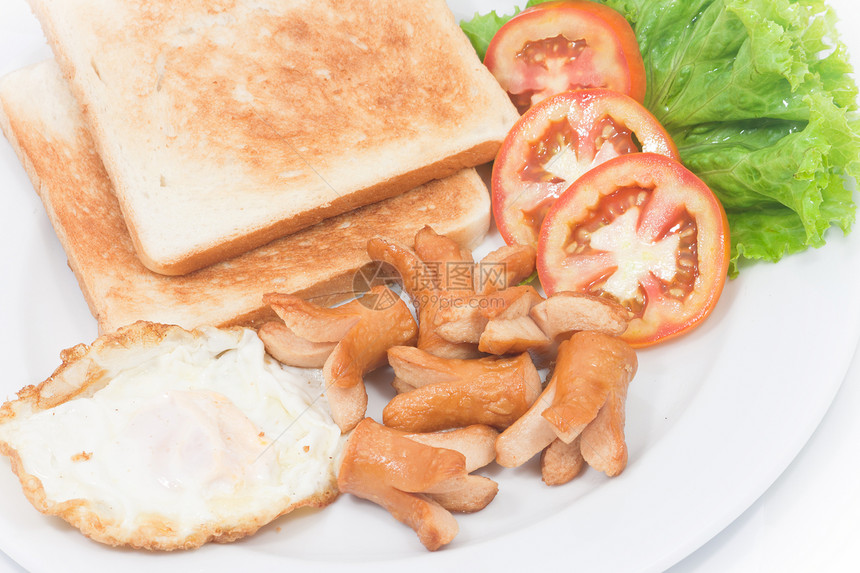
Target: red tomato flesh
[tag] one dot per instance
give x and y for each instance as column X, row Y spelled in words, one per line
column 559, row 46
column 643, row 230
column 556, row 142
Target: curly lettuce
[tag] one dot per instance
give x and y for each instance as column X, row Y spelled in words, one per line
column 482, row 27
column 759, row 98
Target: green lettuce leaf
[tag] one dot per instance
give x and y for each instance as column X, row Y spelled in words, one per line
column 482, row 27
column 758, row 96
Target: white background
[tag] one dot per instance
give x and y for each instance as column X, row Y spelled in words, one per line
column 809, row 520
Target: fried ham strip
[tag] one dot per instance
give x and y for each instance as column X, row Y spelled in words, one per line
column 515, row 263
column 475, row 442
column 416, row 277
column 444, row 255
column 453, row 393
column 509, row 328
column 366, row 327
column 452, row 293
column 385, row 321
column 465, row 319
column 530, row 434
column 567, row 312
column 479, row 308
column 474, row 495
column 421, row 282
column 308, row 332
column 511, row 336
column 592, row 373
column 584, row 403
column 287, row 347
column 419, row 484
column 311, row 321
column 560, row 462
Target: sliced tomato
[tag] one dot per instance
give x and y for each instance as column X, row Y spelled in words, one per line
column 556, row 142
column 645, row 231
column 559, row 46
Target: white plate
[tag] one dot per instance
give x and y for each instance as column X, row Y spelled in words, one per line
column 713, row 418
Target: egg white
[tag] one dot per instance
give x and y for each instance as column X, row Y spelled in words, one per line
column 207, row 436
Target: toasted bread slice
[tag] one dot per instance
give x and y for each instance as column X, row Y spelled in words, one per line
column 224, row 125
column 42, row 121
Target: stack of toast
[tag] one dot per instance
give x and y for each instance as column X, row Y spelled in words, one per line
column 195, row 155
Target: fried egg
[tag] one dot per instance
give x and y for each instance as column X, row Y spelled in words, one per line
column 160, row 438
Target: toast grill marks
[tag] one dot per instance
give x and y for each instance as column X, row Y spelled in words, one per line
column 44, row 124
column 242, row 121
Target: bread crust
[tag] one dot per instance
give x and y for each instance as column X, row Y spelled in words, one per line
column 79, row 374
